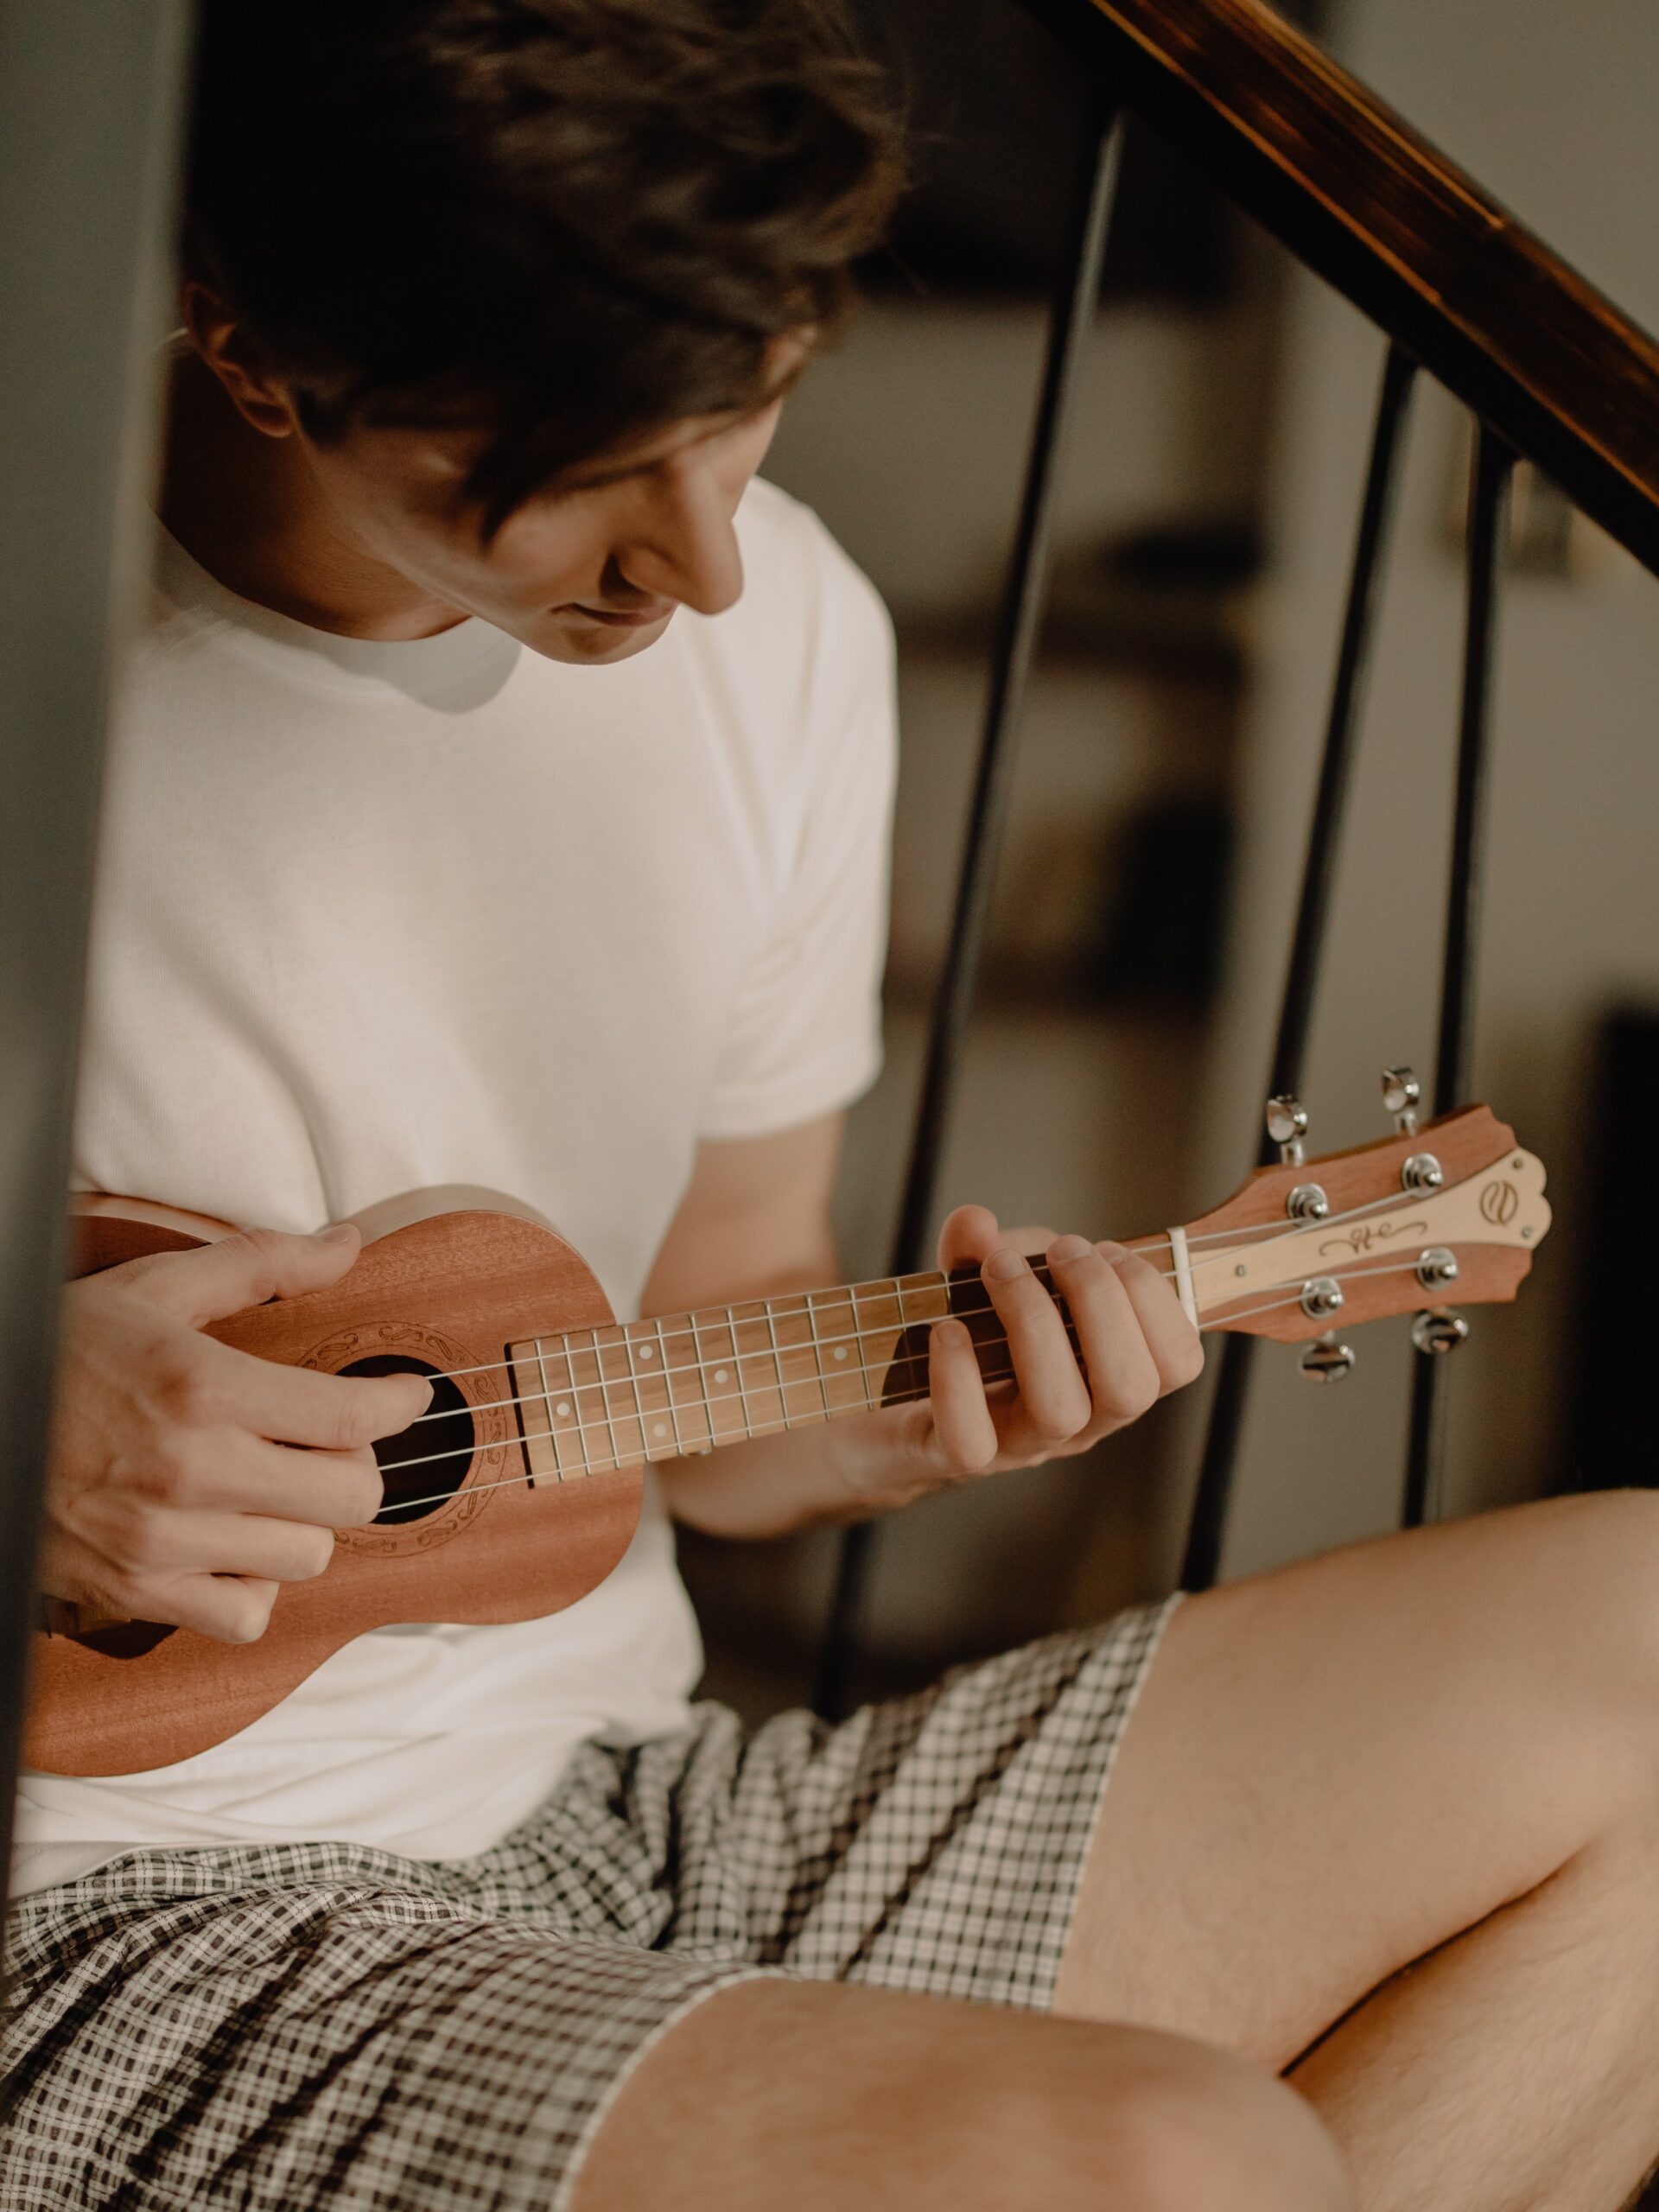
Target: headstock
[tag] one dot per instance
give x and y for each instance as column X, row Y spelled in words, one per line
column 1391, row 1239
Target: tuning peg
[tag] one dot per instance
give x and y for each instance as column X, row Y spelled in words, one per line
column 1402, row 1094
column 1287, row 1121
column 1327, row 1361
column 1438, row 1330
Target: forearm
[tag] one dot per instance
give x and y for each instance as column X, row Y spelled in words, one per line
column 835, row 1472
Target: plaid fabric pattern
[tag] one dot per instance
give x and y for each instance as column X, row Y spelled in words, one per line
column 326, row 2024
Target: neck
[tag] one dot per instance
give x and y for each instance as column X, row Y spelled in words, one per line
column 249, row 509
column 657, row 1389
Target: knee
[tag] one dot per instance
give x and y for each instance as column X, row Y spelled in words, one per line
column 1081, row 2115
column 1174, row 2124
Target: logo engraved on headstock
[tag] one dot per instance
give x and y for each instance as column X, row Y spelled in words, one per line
column 1500, row 1202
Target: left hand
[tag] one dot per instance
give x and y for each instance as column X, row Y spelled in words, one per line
column 1136, row 1344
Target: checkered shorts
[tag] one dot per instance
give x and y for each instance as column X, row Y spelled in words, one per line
column 323, row 2024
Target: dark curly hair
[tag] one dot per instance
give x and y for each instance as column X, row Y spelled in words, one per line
column 560, row 221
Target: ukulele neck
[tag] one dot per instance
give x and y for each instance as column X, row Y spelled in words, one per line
column 657, row 1389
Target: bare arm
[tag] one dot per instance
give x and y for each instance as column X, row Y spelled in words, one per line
column 755, row 1223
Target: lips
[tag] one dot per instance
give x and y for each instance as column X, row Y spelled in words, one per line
column 633, row 617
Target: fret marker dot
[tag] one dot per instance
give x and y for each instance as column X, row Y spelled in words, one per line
column 841, row 1351
column 563, row 1409
column 1238, row 1270
column 722, row 1374
column 661, row 1429
column 645, row 1351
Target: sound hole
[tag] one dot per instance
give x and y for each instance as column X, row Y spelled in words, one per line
column 442, row 1440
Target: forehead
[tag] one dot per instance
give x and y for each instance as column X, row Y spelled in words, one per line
column 445, row 456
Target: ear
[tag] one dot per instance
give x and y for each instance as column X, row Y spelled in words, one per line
column 214, row 332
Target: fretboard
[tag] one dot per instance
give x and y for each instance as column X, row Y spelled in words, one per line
column 605, row 1398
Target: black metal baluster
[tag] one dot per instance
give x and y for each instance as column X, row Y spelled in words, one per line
column 1207, row 1527
column 88, row 101
column 1072, row 314
column 1489, row 507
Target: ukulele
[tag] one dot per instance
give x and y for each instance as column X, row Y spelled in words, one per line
column 518, row 1490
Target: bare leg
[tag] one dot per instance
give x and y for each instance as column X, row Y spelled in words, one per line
column 1438, row 1752
column 825, row 2098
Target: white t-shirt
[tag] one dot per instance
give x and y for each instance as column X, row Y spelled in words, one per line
column 376, row 917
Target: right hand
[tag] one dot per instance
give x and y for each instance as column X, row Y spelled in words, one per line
column 174, row 1491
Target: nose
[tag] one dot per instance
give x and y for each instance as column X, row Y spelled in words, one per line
column 682, row 544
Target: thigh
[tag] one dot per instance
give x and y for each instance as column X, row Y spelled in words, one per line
column 349, row 2048
column 1337, row 1767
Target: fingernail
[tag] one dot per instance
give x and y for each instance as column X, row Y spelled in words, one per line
column 1064, row 1250
column 950, row 1336
column 1112, row 1253
column 1005, row 1264
column 337, row 1235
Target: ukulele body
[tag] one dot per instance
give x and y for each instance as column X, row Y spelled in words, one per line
column 445, row 1281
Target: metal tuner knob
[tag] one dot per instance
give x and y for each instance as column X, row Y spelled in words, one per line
column 1402, row 1094
column 1327, row 1361
column 1287, row 1121
column 1438, row 1330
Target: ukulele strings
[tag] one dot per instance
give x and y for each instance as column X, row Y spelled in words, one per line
column 608, row 1422
column 1263, row 1232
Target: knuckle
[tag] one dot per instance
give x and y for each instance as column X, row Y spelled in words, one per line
column 167, row 1478
column 1058, row 1423
column 245, row 1612
column 268, row 1244
column 138, row 1534
column 315, row 1550
column 1140, row 1388
column 185, row 1393
column 363, row 1493
column 353, row 1419
column 1188, row 1363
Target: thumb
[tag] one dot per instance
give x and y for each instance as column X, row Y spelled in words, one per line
column 244, row 1271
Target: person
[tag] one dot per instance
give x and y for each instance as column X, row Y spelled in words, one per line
column 472, row 818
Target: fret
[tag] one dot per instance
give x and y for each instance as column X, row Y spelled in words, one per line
column 622, row 1405
column 543, row 1410
column 720, row 1377
column 817, row 1355
column 923, row 1300
column 880, row 1322
column 762, row 1393
column 650, row 1388
column 564, row 1447
column 667, row 1375
column 528, row 1385
column 799, row 1375
column 846, row 1386
column 682, row 1356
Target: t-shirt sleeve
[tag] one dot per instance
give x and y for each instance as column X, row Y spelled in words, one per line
column 805, row 1035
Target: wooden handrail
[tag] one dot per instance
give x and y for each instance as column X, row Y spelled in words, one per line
column 1368, row 205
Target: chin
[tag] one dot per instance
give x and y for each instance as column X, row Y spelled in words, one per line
column 594, row 645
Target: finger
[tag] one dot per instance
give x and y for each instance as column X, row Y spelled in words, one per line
column 147, row 1544
column 297, row 1405
column 232, row 1609
column 1176, row 1346
column 1054, row 1402
column 228, row 1276
column 1124, row 1379
column 240, row 1473
column 963, row 1430
column 969, row 1237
